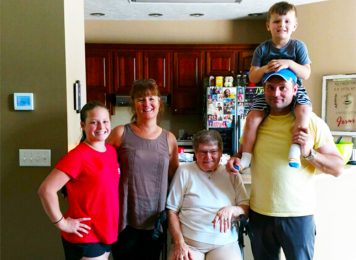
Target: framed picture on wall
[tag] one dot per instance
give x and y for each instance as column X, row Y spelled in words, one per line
column 339, row 103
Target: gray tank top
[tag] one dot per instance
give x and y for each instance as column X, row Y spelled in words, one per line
column 144, row 179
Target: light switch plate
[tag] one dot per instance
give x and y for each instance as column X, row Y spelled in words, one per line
column 35, row 157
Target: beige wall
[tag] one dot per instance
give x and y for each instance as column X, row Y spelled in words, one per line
column 75, row 65
column 328, row 29
column 33, row 59
column 189, row 32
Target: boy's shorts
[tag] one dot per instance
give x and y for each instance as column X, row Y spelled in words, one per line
column 301, row 98
column 75, row 251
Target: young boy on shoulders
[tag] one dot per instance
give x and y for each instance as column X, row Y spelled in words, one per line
column 279, row 52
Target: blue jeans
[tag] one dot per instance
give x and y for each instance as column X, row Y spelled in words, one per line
column 295, row 235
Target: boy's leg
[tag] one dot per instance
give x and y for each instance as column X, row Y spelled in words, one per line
column 253, row 120
column 302, row 119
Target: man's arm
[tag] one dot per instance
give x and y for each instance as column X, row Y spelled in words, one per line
column 327, row 158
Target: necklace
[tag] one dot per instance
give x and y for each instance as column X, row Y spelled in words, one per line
column 210, row 175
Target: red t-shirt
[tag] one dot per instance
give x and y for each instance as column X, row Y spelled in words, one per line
column 93, row 191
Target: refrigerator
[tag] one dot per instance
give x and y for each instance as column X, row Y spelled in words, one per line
column 223, row 107
column 226, row 111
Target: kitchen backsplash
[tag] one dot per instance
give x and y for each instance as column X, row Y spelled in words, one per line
column 190, row 123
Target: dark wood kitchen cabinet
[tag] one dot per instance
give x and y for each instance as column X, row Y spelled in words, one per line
column 179, row 69
column 229, row 62
column 244, row 60
column 187, row 81
column 158, row 66
column 127, row 68
column 221, row 62
column 99, row 76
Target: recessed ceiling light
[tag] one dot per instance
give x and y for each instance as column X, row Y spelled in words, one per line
column 97, row 14
column 197, row 14
column 155, row 14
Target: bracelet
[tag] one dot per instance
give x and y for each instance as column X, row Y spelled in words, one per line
column 58, row 220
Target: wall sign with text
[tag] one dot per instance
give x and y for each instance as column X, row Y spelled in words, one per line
column 339, row 103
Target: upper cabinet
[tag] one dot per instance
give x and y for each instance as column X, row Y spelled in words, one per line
column 98, row 64
column 127, row 68
column 221, row 62
column 244, row 60
column 158, row 66
column 187, row 81
column 179, row 70
column 229, row 60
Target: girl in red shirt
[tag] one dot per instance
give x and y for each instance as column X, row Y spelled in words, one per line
column 90, row 175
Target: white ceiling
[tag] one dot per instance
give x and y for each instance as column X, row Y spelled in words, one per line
column 127, row 10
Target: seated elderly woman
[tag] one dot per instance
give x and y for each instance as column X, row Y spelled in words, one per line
column 203, row 204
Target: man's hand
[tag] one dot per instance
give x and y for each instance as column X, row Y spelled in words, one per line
column 304, row 139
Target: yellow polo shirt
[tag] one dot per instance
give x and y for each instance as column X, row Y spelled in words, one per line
column 277, row 189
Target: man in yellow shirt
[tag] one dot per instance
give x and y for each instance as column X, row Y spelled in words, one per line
column 282, row 199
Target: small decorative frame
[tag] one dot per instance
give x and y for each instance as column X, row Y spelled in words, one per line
column 23, row 101
column 339, row 103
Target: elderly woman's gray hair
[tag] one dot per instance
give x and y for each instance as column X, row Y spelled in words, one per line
column 211, row 137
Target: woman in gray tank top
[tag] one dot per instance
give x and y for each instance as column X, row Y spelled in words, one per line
column 148, row 156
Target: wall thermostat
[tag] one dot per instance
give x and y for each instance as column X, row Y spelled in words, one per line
column 23, row 101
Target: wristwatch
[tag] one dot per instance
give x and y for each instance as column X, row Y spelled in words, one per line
column 311, row 156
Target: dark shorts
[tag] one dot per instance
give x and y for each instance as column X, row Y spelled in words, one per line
column 75, row 251
column 295, row 235
column 138, row 244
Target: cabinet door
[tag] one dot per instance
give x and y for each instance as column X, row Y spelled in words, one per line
column 221, row 62
column 245, row 58
column 187, row 81
column 98, row 76
column 127, row 69
column 157, row 65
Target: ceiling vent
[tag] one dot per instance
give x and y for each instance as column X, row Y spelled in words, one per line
column 187, row 1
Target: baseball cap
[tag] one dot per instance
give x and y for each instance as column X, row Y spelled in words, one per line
column 286, row 74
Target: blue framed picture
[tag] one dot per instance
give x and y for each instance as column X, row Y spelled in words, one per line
column 23, row 101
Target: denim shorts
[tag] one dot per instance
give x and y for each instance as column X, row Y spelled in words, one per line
column 75, row 251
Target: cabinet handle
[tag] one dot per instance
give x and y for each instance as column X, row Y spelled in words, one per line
column 196, row 70
column 104, row 67
column 164, row 73
column 134, row 61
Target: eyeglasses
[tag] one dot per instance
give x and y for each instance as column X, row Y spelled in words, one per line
column 206, row 152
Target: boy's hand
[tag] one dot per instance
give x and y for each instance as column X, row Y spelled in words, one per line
column 276, row 65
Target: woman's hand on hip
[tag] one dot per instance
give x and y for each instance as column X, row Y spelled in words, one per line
column 75, row 226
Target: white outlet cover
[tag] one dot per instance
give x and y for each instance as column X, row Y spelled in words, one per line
column 35, row 157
